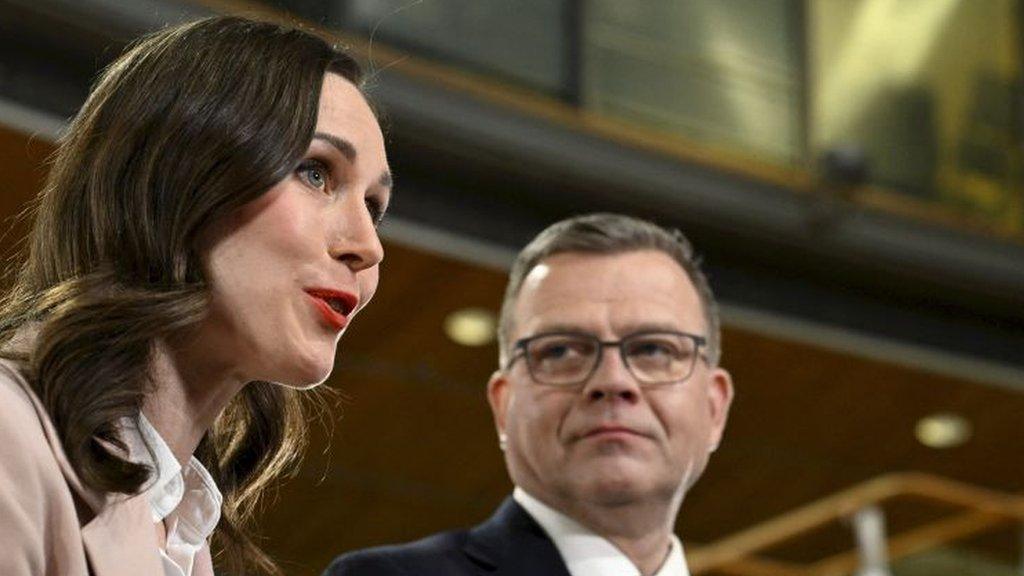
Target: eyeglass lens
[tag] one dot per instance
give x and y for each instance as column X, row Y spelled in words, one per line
column 652, row 358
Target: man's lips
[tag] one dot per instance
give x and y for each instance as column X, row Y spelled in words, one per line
column 334, row 306
column 611, row 431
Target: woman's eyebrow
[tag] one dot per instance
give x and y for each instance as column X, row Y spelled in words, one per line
column 344, row 146
column 349, row 151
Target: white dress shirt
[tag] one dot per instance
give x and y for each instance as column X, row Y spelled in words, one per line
column 586, row 553
column 187, row 501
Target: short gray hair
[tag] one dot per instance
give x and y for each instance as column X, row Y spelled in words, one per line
column 604, row 233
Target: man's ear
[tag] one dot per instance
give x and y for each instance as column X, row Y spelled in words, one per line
column 497, row 397
column 720, row 393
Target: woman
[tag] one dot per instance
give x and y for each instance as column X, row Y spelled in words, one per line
column 206, row 234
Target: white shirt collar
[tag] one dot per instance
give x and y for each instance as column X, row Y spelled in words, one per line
column 171, row 486
column 588, row 554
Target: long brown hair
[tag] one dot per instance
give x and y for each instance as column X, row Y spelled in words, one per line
column 188, row 125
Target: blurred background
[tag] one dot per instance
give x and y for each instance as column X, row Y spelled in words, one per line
column 851, row 171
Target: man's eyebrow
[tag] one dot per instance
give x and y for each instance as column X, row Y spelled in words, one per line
column 344, row 146
column 560, row 328
column 385, row 180
column 653, row 327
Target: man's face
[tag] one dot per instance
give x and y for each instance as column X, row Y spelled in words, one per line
column 608, row 441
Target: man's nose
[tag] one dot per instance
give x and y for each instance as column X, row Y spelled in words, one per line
column 611, row 379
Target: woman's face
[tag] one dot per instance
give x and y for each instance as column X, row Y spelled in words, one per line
column 290, row 269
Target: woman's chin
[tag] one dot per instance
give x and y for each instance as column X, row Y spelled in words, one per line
column 303, row 381
column 311, row 378
column 300, row 385
column 301, row 365
column 307, row 372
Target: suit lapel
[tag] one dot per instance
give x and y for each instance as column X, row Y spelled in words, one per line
column 512, row 543
column 91, row 498
column 121, row 539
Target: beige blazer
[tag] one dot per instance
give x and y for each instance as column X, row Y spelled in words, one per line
column 50, row 523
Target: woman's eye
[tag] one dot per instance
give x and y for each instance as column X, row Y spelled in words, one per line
column 314, row 174
column 376, row 210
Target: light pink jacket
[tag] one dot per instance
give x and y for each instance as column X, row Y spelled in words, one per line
column 42, row 532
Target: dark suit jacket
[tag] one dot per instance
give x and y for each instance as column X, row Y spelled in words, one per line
column 510, row 543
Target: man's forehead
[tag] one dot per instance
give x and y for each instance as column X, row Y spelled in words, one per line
column 639, row 287
column 647, row 269
column 536, row 276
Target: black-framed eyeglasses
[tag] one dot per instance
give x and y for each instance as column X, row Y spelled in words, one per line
column 570, row 358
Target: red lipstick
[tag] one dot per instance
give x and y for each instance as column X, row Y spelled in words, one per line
column 334, row 305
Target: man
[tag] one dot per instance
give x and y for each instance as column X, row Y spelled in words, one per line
column 608, row 403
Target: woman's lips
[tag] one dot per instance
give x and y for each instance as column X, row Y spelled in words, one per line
column 334, row 306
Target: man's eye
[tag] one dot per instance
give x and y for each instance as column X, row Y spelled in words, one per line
column 651, row 349
column 656, row 348
column 553, row 352
column 313, row 173
column 561, row 350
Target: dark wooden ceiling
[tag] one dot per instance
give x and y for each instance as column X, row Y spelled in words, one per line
column 406, row 447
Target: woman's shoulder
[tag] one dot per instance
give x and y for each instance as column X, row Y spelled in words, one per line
column 38, row 517
column 16, row 398
column 23, row 440
column 15, row 392
column 30, row 446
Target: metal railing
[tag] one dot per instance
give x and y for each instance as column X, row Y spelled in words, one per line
column 741, row 554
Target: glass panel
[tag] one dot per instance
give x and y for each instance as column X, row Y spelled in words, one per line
column 721, row 72
column 524, row 40
column 929, row 91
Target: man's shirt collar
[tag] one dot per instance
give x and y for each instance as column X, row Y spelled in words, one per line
column 588, row 554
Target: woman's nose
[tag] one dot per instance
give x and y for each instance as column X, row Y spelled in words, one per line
column 357, row 243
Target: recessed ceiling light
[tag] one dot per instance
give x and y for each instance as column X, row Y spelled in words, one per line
column 944, row 430
column 471, row 326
